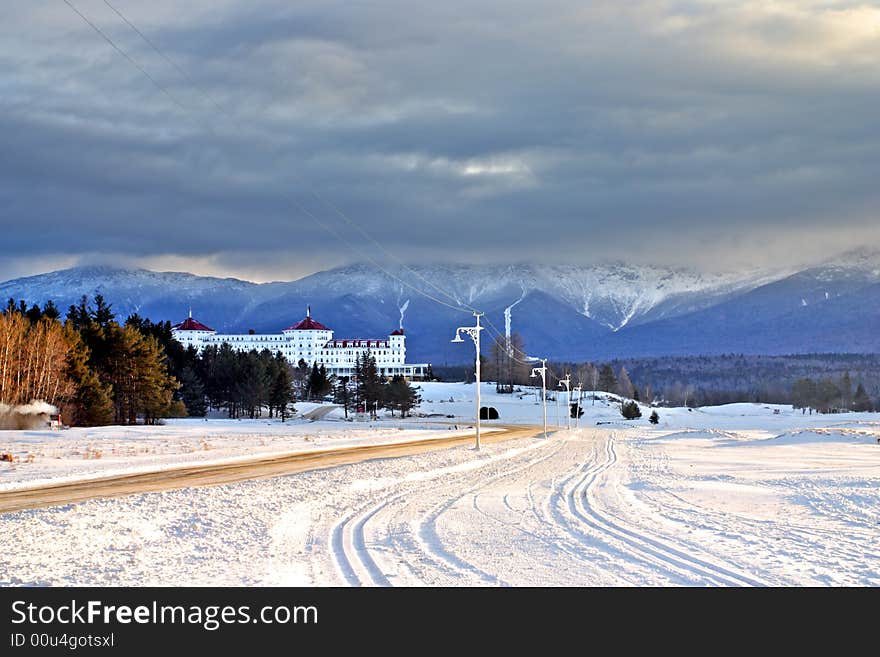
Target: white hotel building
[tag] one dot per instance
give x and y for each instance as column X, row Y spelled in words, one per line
column 312, row 342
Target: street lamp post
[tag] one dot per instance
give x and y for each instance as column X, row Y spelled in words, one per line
column 543, row 372
column 473, row 332
column 567, row 383
column 556, row 399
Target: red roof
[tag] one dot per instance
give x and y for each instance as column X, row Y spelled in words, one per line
column 308, row 324
column 397, row 332
column 189, row 324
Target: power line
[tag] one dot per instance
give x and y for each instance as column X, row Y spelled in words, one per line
column 168, row 59
column 299, row 206
column 126, row 55
column 316, row 194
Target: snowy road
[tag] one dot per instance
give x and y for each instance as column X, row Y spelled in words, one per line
column 590, row 507
column 228, row 471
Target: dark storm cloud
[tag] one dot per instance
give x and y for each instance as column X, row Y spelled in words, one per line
column 671, row 132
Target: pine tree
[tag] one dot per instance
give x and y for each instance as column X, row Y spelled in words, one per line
column 861, row 401
column 607, row 381
column 50, row 311
column 281, row 392
column 192, row 393
column 342, row 394
column 402, row 396
column 103, row 313
column 135, row 366
column 300, row 376
column 846, row 393
column 655, row 418
column 319, row 382
column 251, row 389
column 370, row 385
column 630, row 410
column 803, row 394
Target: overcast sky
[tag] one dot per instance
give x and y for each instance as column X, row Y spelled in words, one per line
column 706, row 133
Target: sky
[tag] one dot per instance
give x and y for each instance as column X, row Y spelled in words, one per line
column 268, row 139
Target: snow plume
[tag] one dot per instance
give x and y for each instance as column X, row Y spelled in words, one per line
column 508, row 318
column 402, row 310
column 26, row 416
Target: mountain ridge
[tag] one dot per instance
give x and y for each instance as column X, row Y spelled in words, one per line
column 597, row 311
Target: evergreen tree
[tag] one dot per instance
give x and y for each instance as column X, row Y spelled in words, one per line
column 319, row 384
column 135, row 366
column 251, row 389
column 370, row 385
column 300, row 376
column 401, row 396
column 607, row 381
column 50, row 311
column 630, row 410
column 192, row 393
column 861, row 401
column 78, row 315
column 281, row 392
column 34, row 314
column 846, row 392
column 803, row 394
column 342, row 394
column 655, row 418
column 103, row 313
column 827, row 395
column 92, row 403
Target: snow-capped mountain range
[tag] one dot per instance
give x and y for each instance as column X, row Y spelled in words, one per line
column 562, row 311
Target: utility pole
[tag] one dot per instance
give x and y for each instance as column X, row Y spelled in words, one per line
column 543, row 372
column 473, row 332
column 556, row 397
column 567, row 383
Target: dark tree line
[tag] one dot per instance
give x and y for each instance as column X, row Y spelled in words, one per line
column 369, row 391
column 837, row 380
column 247, row 384
column 101, row 372
column 828, row 396
column 106, row 372
column 823, row 382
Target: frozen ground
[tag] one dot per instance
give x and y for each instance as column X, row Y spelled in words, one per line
column 734, row 495
column 43, row 457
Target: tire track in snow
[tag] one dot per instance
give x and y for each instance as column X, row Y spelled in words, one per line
column 351, row 553
column 428, row 526
column 777, row 542
column 582, row 502
column 554, row 515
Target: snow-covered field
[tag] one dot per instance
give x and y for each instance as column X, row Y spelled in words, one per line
column 735, row 495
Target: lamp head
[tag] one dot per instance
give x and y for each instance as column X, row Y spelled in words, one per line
column 457, row 337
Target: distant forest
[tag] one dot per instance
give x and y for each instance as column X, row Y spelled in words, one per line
column 825, row 382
